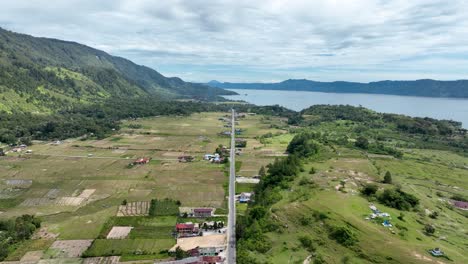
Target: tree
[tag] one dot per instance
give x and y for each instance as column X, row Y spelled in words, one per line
column 388, row 178
column 369, row 189
column 312, row 170
column 429, row 229
column 362, row 143
column 179, row 253
column 262, row 172
column 124, row 202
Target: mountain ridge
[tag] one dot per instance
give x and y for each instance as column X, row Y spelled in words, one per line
column 43, row 74
column 422, row 87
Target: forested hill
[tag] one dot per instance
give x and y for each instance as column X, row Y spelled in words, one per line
column 427, row 88
column 42, row 75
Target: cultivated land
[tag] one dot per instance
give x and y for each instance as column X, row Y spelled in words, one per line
column 96, row 173
column 77, row 187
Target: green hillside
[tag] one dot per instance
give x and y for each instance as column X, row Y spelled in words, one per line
column 43, row 75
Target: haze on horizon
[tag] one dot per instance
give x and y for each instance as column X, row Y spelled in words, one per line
column 263, row 41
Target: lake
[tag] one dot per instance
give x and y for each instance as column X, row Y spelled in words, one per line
column 439, row 108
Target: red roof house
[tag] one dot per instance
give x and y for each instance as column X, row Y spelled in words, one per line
column 142, row 161
column 203, row 212
column 461, row 205
column 186, row 229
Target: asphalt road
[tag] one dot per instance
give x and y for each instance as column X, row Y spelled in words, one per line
column 231, row 231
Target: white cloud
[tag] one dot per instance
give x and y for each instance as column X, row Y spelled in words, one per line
column 361, row 40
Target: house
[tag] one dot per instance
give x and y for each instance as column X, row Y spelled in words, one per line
column 203, row 212
column 436, row 252
column 187, row 229
column 245, row 197
column 141, row 161
column 185, row 158
column 208, row 156
column 461, row 205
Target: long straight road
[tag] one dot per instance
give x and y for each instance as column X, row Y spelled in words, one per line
column 231, row 231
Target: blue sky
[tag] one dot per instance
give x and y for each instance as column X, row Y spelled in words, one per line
column 263, row 41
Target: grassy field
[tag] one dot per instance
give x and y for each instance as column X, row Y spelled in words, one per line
column 433, row 176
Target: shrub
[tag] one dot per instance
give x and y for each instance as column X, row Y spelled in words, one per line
column 398, row 199
column 319, row 215
column 343, row 236
column 306, row 242
column 369, row 189
column 305, row 220
column 429, row 229
column 362, row 143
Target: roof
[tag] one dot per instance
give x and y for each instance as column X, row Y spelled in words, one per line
column 203, row 210
column 460, row 204
column 184, row 226
column 189, row 243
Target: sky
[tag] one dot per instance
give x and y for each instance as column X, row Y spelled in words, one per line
column 263, row 41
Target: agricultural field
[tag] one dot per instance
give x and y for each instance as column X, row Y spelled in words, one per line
column 86, row 193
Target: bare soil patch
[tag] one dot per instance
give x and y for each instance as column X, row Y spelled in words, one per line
column 102, row 260
column 71, row 248
column 32, row 256
column 119, row 232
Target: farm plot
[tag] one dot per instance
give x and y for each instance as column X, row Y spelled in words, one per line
column 119, row 232
column 61, row 201
column 103, row 247
column 160, row 227
column 19, row 183
column 134, row 209
column 102, row 260
column 68, row 248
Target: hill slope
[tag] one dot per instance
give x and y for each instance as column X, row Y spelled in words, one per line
column 427, row 88
column 41, row 74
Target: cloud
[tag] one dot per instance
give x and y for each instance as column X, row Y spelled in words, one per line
column 229, row 40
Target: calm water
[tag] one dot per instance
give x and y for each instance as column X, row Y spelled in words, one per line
column 439, row 108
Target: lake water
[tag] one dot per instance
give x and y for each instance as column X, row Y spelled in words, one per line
column 439, row 108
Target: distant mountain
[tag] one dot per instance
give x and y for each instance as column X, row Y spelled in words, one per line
column 43, row 75
column 427, row 88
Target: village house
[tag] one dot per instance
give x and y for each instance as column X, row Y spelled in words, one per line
column 200, row 212
column 203, row 212
column 187, row 229
column 141, row 161
column 245, row 197
column 461, row 205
